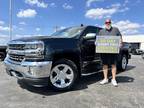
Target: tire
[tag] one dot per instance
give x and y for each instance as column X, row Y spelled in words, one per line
column 122, row 65
column 2, row 56
column 63, row 75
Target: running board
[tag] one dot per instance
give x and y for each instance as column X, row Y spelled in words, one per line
column 87, row 74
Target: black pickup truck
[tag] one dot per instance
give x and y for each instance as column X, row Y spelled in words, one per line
column 2, row 52
column 59, row 59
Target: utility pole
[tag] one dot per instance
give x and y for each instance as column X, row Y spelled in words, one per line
column 56, row 28
column 10, row 19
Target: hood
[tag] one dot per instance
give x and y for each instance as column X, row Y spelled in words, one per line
column 37, row 38
column 45, row 39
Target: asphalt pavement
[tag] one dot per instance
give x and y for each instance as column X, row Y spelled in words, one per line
column 88, row 93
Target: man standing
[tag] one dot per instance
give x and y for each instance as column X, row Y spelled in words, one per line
column 109, row 59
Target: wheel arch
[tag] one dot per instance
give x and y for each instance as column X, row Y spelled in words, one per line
column 123, row 52
column 73, row 56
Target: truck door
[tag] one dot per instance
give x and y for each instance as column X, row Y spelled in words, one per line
column 88, row 46
column 89, row 57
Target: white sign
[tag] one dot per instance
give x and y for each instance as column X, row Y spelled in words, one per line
column 107, row 44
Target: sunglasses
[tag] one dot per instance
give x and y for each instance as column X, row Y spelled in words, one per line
column 107, row 22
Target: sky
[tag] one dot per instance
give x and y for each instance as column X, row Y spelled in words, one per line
column 41, row 17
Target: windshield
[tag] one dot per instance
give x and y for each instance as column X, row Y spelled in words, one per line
column 68, row 32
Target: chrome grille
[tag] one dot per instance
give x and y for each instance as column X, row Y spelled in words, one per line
column 19, row 50
column 17, row 58
column 17, row 46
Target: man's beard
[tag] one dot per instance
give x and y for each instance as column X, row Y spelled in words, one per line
column 108, row 27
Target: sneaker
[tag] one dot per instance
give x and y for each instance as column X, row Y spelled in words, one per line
column 114, row 82
column 104, row 81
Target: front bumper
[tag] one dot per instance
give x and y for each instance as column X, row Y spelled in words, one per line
column 31, row 72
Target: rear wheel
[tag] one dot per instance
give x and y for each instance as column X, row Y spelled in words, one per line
column 122, row 65
column 63, row 74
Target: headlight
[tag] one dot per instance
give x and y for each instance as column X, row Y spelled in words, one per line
column 34, row 50
column 35, row 45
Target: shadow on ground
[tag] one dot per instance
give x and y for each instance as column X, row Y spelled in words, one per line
column 129, row 67
column 83, row 83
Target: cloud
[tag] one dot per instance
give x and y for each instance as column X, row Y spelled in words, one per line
column 52, row 5
column 2, row 22
column 89, row 2
column 124, row 9
column 22, row 23
column 3, row 36
column 67, row 6
column 4, row 39
column 62, row 27
column 128, row 27
column 28, row 13
column 126, row 2
column 4, row 28
column 119, row 7
column 38, row 29
column 99, row 13
column 116, row 5
column 37, row 2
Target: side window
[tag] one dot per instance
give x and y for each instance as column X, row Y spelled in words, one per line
column 86, row 31
column 95, row 30
column 90, row 30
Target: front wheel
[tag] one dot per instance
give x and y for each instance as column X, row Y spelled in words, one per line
column 63, row 74
column 122, row 65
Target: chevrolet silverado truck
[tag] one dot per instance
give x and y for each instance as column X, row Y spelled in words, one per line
column 59, row 59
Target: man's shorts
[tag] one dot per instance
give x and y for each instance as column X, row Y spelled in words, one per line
column 109, row 59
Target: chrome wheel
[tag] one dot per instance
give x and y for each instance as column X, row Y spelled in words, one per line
column 124, row 62
column 61, row 76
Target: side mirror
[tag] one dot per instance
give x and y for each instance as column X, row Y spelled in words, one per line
column 90, row 36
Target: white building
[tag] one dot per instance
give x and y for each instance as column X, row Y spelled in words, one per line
column 135, row 39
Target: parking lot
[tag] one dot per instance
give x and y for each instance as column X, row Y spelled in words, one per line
column 87, row 94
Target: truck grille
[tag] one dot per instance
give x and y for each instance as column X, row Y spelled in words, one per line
column 17, row 58
column 19, row 50
column 17, row 46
